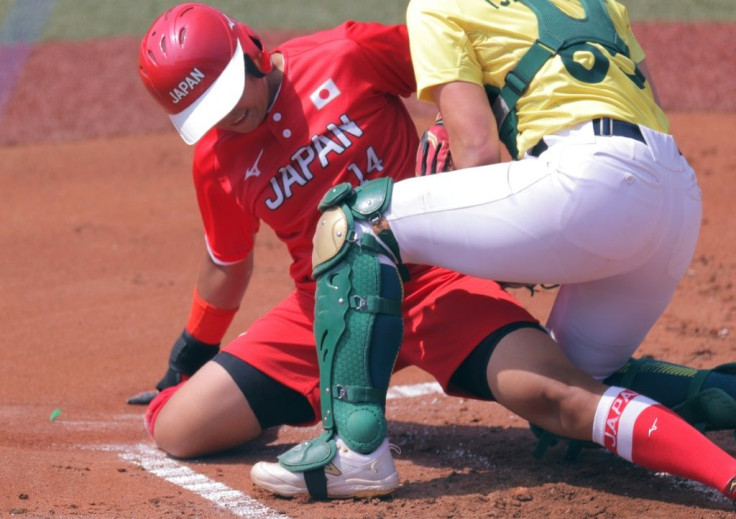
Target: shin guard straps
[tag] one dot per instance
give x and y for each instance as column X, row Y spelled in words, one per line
column 358, row 325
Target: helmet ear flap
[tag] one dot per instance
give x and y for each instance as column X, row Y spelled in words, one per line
column 251, row 68
column 260, row 64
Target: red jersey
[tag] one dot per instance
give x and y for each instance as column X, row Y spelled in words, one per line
column 337, row 117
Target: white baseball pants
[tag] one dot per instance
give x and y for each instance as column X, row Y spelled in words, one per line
column 613, row 220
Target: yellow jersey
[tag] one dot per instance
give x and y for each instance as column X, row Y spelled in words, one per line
column 481, row 41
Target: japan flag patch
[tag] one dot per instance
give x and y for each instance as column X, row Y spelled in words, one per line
column 325, row 93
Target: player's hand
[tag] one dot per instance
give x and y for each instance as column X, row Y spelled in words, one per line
column 433, row 154
column 142, row 398
column 187, row 356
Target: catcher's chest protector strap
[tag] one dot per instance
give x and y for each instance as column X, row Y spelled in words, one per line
column 557, row 31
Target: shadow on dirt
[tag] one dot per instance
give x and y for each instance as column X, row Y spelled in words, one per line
column 485, row 463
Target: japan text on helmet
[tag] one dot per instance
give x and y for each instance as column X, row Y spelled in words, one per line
column 193, row 61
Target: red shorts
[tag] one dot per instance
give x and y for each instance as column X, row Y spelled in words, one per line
column 446, row 315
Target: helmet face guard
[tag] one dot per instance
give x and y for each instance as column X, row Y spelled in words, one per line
column 193, row 62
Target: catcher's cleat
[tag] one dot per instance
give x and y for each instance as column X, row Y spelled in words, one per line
column 348, row 475
column 711, row 409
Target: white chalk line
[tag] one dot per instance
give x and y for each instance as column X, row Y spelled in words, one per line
column 154, row 461
column 118, row 422
column 157, row 463
column 426, row 388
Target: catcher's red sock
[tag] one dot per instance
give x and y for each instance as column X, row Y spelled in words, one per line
column 648, row 434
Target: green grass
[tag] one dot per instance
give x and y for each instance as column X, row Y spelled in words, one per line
column 699, row 10
column 84, row 19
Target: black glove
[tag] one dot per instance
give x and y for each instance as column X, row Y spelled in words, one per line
column 187, row 356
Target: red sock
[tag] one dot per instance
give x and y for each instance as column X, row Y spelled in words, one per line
column 646, row 433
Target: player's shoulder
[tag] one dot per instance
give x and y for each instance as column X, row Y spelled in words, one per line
column 313, row 40
column 349, row 35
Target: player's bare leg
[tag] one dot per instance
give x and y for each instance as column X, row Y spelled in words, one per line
column 206, row 414
column 529, row 374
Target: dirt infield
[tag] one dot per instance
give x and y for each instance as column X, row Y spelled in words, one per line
column 100, row 240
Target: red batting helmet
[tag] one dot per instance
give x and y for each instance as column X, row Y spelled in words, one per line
column 192, row 60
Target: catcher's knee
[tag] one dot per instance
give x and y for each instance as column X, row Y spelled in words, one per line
column 345, row 212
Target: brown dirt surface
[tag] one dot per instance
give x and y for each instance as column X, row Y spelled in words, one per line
column 100, row 240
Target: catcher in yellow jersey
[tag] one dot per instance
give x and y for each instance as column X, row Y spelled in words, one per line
column 599, row 200
column 467, row 52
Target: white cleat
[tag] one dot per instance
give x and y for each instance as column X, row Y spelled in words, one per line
column 349, row 474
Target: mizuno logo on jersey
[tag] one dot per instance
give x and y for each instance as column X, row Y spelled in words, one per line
column 325, row 93
column 183, row 89
column 253, row 171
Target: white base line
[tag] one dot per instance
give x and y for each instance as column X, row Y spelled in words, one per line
column 239, row 504
column 234, row 501
column 156, row 462
column 414, row 390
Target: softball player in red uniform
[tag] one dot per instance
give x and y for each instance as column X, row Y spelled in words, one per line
column 601, row 202
column 273, row 132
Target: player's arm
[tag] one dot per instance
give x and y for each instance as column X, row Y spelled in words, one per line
column 470, row 124
column 215, row 301
column 224, row 286
column 620, row 16
column 217, row 296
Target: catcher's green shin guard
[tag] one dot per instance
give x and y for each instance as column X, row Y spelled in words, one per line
column 358, row 326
